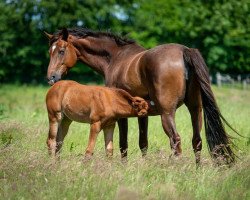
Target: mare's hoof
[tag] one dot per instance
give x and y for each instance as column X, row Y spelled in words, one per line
column 144, row 151
column 124, row 160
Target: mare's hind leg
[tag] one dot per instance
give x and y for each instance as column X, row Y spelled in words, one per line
column 194, row 105
column 168, row 123
column 108, row 138
column 167, row 96
column 196, row 115
column 143, row 134
column 62, row 132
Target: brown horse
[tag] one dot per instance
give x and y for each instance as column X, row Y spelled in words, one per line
column 169, row 75
column 69, row 101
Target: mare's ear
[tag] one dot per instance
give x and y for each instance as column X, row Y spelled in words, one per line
column 65, row 34
column 49, row 36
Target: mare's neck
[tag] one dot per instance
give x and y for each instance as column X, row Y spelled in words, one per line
column 96, row 52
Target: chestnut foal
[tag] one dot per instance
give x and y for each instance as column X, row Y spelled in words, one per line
column 69, row 101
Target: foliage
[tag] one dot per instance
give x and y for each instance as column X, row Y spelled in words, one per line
column 220, row 29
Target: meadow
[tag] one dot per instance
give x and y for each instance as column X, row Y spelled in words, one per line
column 27, row 172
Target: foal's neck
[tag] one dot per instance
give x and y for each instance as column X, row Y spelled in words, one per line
column 123, row 107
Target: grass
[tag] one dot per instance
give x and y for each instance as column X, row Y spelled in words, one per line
column 27, row 172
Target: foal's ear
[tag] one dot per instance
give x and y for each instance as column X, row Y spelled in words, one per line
column 65, row 34
column 49, row 36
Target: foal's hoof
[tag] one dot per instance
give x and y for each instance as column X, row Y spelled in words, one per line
column 109, row 154
column 109, row 157
column 175, row 156
column 87, row 158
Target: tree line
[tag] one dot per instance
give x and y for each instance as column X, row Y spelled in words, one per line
column 220, row 29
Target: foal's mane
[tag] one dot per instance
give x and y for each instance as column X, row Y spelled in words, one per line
column 85, row 32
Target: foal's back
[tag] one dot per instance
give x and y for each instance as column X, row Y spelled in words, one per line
column 79, row 102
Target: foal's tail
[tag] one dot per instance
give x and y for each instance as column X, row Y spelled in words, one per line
column 219, row 142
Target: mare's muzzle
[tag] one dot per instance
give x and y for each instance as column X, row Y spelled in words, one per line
column 54, row 78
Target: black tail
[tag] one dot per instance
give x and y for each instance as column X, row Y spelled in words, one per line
column 219, row 142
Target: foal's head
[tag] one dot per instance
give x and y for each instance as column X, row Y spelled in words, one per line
column 140, row 106
column 63, row 56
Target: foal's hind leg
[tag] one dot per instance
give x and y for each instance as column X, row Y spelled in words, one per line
column 108, row 137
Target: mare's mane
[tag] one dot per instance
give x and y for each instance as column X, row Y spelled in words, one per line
column 84, row 32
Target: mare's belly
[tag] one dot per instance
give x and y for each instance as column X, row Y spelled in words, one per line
column 131, row 85
column 126, row 75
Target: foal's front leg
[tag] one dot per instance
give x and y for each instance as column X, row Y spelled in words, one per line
column 108, row 137
column 51, row 140
column 95, row 128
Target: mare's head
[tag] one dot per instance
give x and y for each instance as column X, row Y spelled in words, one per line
column 140, row 106
column 63, row 56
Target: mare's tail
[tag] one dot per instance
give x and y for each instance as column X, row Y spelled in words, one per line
column 219, row 143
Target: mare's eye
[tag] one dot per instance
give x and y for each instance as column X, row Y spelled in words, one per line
column 61, row 52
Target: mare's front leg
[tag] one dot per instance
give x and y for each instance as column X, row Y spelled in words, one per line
column 108, row 137
column 95, row 128
column 123, row 136
column 143, row 134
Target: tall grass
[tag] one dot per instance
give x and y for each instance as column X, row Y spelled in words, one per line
column 26, row 171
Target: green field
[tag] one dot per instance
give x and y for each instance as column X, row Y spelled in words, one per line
column 27, row 172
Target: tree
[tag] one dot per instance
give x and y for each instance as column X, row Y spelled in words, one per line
column 219, row 29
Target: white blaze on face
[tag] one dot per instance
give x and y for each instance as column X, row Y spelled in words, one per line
column 53, row 48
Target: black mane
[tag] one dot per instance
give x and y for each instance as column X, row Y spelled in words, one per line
column 84, row 32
